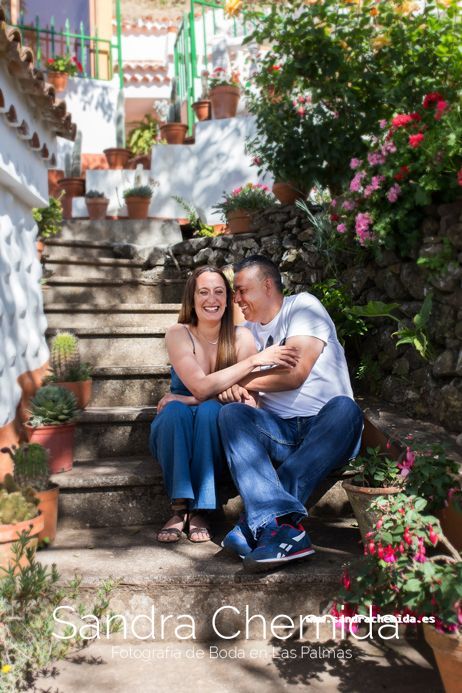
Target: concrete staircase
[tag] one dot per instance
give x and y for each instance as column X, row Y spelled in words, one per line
column 113, row 500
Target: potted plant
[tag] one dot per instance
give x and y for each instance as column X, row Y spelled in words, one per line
column 224, row 93
column 19, row 514
column 59, row 68
column 67, row 369
column 141, row 139
column 117, row 157
column 174, row 131
column 97, row 204
column 73, row 184
column 238, row 206
column 138, row 200
column 287, row 192
column 51, row 424
column 203, row 107
column 435, row 477
column 30, row 471
column 49, row 221
column 402, row 575
column 377, row 474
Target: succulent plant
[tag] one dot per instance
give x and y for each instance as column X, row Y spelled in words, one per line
column 64, row 354
column 52, row 405
column 30, row 462
column 95, row 194
column 16, row 505
column 138, row 191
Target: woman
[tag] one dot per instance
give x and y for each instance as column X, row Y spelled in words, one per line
column 208, row 355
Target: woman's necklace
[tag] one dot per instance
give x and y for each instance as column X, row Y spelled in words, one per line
column 205, row 338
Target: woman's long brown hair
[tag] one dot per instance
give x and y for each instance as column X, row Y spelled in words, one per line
column 226, row 352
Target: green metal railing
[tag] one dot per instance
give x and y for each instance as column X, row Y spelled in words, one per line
column 186, row 55
column 95, row 54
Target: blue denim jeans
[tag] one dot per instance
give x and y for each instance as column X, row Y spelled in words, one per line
column 186, row 443
column 277, row 463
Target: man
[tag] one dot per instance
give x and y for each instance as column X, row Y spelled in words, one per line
column 307, row 422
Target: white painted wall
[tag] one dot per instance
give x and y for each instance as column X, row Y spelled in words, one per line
column 23, row 184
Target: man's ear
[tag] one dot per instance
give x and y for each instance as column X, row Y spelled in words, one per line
column 268, row 285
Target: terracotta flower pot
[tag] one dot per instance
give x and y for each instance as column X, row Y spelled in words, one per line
column 239, row 221
column 448, row 654
column 73, row 187
column 58, row 79
column 59, row 441
column 97, row 207
column 287, row 193
column 82, row 390
column 451, row 524
column 361, row 498
column 48, row 506
column 117, row 157
column 138, row 207
column 225, row 101
column 174, row 133
column 40, row 245
column 203, row 109
column 9, row 535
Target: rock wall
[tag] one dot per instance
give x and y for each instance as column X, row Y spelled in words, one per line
column 424, row 388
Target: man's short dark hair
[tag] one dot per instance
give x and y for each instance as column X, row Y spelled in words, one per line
column 266, row 267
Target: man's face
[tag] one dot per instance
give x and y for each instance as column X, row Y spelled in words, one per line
column 251, row 293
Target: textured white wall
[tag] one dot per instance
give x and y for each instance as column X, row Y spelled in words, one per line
column 23, row 184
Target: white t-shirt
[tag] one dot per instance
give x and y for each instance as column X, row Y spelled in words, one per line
column 303, row 315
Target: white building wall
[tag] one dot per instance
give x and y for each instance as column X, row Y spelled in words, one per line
column 23, row 184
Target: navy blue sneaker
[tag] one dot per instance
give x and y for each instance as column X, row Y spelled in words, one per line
column 239, row 540
column 277, row 546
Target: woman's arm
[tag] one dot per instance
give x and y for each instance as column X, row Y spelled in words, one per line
column 172, row 397
column 204, row 386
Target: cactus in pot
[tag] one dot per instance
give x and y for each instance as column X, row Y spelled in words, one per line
column 51, row 423
column 67, row 368
column 174, row 131
column 19, row 513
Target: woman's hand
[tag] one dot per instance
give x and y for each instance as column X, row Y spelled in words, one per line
column 170, row 397
column 286, row 356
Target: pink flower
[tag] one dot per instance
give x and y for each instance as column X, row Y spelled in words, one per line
column 408, row 462
column 388, row 148
column 301, row 99
column 375, row 159
column 355, row 185
column 341, row 228
column 432, row 535
column 420, row 556
column 236, row 191
column 368, row 190
column 256, row 160
column 383, row 124
column 407, row 536
column 333, row 202
column 349, row 205
column 362, row 222
column 402, row 120
column 355, row 163
column 301, row 111
column 431, row 98
column 389, row 555
column 441, row 106
column 262, row 187
column 393, row 193
column 416, row 140
column 295, row 103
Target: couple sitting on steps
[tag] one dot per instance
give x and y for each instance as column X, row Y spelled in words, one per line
column 272, row 398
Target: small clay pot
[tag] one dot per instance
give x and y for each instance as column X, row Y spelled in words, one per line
column 97, row 207
column 48, row 506
column 174, row 133
column 117, row 157
column 287, row 193
column 203, row 109
column 361, row 498
column 58, row 80
column 138, row 207
column 225, row 101
column 82, row 390
column 239, row 221
column 59, row 441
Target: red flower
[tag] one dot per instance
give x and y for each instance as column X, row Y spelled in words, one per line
column 334, row 217
column 431, row 98
column 459, row 177
column 402, row 173
column 50, row 61
column 416, row 117
column 416, row 140
column 402, row 120
column 346, row 582
column 275, row 68
column 441, row 106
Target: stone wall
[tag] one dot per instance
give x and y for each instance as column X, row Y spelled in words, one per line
column 429, row 389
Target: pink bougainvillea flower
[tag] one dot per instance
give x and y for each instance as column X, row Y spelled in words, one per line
column 355, row 163
column 416, row 140
column 349, row 205
column 382, row 124
column 388, row 148
column 431, row 98
column 341, row 228
column 393, row 193
column 355, row 184
column 401, row 120
column 362, row 222
column 375, row 158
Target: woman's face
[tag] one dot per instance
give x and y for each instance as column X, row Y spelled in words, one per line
column 210, row 297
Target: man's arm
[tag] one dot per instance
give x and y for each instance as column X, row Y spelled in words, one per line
column 279, row 379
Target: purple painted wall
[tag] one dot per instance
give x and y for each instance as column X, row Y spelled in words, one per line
column 76, row 10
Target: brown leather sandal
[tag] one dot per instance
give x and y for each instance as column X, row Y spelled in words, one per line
column 180, row 510
column 198, row 530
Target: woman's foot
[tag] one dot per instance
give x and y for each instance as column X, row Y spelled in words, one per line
column 171, row 531
column 199, row 531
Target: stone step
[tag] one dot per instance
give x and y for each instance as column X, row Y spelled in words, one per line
column 113, row 346
column 199, row 579
column 114, row 431
column 57, row 248
column 98, row 268
column 72, row 315
column 148, row 232
column 105, row 291
column 129, row 385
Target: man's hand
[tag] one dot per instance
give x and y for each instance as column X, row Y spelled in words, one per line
column 235, row 393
